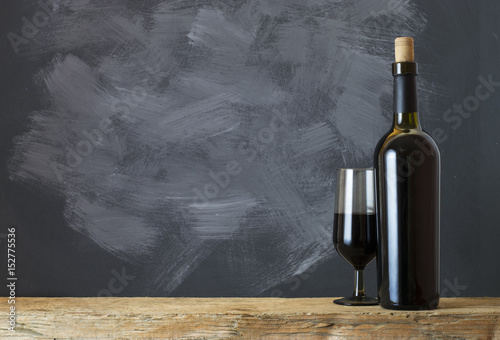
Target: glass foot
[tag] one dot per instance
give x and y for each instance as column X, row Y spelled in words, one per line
column 357, row 301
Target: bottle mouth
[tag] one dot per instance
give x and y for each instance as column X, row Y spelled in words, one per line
column 404, row 67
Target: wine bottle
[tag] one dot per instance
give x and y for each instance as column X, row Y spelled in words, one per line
column 408, row 167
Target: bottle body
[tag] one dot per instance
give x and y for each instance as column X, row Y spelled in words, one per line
column 408, row 231
column 408, row 166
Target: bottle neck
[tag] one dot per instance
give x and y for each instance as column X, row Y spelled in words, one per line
column 405, row 102
column 405, row 121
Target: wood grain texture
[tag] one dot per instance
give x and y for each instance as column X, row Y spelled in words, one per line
column 249, row 318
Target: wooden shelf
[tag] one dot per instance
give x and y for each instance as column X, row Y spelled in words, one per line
column 270, row 318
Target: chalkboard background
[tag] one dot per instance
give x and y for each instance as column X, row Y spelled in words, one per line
column 189, row 148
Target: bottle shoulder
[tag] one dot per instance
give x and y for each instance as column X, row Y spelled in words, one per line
column 408, row 140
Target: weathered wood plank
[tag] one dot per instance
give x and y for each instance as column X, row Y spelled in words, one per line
column 251, row 318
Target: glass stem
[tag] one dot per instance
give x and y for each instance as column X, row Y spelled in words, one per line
column 359, row 284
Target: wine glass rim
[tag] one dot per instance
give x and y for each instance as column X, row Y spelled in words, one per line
column 355, row 169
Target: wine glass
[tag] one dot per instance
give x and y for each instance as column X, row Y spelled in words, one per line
column 354, row 227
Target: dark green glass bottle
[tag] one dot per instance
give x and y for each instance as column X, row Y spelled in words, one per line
column 407, row 163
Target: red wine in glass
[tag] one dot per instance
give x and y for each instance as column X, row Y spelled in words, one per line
column 356, row 239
